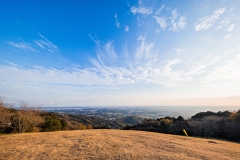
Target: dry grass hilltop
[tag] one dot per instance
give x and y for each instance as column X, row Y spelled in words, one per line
column 113, row 144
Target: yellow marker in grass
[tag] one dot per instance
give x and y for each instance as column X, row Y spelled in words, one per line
column 185, row 132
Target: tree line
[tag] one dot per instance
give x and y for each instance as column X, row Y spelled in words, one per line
column 204, row 124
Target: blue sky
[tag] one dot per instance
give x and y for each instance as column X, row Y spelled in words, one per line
column 121, row 53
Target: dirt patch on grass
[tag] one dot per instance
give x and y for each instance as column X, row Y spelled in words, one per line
column 113, row 144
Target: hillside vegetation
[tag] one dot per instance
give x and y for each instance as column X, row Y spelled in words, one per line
column 204, row 124
column 32, row 119
column 113, row 144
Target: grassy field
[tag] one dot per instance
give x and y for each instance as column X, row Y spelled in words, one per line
column 113, row 144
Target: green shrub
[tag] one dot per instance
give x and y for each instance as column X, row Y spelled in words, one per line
column 52, row 124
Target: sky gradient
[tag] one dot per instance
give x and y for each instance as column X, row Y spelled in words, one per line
column 121, row 53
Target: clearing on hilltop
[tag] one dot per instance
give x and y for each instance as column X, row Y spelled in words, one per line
column 113, row 144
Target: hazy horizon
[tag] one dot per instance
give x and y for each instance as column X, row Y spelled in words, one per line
column 121, row 53
column 159, row 112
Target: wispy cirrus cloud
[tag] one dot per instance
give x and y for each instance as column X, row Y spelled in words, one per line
column 92, row 76
column 22, row 45
column 65, row 77
column 10, row 63
column 144, row 49
column 105, row 55
column 227, row 36
column 37, row 45
column 149, row 67
column 207, row 22
column 226, row 20
column 159, row 10
column 110, row 50
column 166, row 74
column 230, row 28
column 226, row 74
column 106, row 72
column 45, row 44
column 196, row 69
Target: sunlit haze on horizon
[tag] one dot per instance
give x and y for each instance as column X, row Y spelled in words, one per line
column 121, row 53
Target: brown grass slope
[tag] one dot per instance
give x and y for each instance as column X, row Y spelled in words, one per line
column 113, row 144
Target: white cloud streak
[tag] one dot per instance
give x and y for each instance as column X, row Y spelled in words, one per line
column 100, row 76
column 230, row 28
column 12, row 64
column 226, row 20
column 45, row 44
column 117, row 23
column 106, row 56
column 144, row 49
column 110, row 50
column 34, row 45
column 22, row 45
column 126, row 28
column 160, row 10
column 227, row 36
column 208, row 21
column 226, row 74
column 66, row 77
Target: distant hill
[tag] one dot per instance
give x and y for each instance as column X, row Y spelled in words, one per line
column 130, row 120
column 100, row 122
column 113, row 144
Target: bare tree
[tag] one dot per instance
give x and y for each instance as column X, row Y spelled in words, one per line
column 26, row 118
column 231, row 130
column 209, row 126
column 235, row 116
column 195, row 126
column 6, row 111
